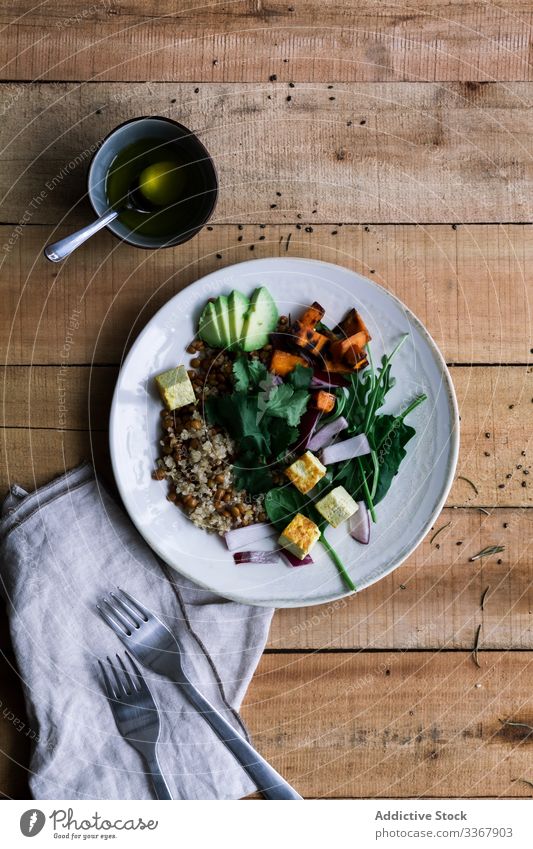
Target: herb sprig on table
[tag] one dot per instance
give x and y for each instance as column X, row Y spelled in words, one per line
column 262, row 417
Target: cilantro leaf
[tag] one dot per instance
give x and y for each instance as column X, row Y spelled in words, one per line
column 300, row 377
column 286, row 403
column 248, row 373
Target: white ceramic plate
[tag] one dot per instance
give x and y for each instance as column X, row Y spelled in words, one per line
column 414, row 499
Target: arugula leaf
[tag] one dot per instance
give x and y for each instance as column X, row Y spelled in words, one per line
column 248, row 373
column 391, row 435
column 354, row 410
column 370, row 477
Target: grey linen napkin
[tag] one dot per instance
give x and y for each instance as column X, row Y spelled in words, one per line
column 63, row 546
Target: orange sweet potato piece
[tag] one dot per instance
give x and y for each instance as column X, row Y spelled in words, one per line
column 352, row 324
column 312, row 315
column 324, row 401
column 352, row 347
column 282, row 362
column 305, row 337
column 343, row 368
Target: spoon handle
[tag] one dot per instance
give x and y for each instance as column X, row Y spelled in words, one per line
column 64, row 247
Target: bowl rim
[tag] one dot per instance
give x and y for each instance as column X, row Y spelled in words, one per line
column 171, row 242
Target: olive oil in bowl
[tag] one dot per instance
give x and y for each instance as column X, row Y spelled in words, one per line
column 173, row 188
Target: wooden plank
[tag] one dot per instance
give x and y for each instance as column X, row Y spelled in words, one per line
column 495, row 407
column 415, row 724
column 471, row 286
column 251, row 40
column 378, row 152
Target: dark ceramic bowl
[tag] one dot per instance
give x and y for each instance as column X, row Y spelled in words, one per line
column 192, row 151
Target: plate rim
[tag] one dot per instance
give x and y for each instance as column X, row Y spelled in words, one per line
column 454, row 437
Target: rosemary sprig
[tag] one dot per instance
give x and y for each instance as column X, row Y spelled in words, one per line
column 486, row 552
column 483, row 597
column 476, row 648
column 437, row 532
column 474, row 487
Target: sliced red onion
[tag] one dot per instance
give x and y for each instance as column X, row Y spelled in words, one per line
column 308, row 425
column 295, row 561
column 327, row 433
column 255, row 557
column 359, row 524
column 244, row 536
column 327, row 380
column 357, row 446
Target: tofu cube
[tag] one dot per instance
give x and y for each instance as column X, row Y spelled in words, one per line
column 299, row 536
column 175, row 388
column 306, row 472
column 337, row 506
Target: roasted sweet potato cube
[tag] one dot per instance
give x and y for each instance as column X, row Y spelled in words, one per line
column 324, row 401
column 312, row 315
column 352, row 324
column 283, row 362
column 352, row 345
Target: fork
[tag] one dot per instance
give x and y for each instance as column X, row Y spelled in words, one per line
column 136, row 715
column 156, row 647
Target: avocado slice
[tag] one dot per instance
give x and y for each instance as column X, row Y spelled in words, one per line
column 208, row 327
column 238, row 306
column 222, row 311
column 261, row 319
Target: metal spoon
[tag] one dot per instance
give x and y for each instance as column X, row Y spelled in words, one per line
column 57, row 251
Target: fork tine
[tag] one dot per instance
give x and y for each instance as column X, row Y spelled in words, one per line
column 120, row 683
column 129, row 679
column 118, row 614
column 139, row 608
column 116, row 626
column 108, row 685
column 141, row 683
column 125, row 609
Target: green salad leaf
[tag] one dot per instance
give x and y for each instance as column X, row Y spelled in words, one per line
column 248, row 373
column 262, row 417
column 283, row 503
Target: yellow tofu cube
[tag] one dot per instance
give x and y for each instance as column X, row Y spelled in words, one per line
column 306, row 472
column 337, row 506
column 299, row 536
column 175, row 388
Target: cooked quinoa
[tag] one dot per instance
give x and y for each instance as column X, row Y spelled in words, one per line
column 196, row 462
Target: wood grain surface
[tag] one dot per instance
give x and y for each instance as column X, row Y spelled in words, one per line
column 361, row 152
column 392, row 138
column 309, row 40
column 395, row 724
column 471, row 285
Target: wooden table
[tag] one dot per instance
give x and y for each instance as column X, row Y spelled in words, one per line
column 393, row 138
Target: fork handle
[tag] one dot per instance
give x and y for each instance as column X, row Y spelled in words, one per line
column 158, row 780
column 269, row 782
